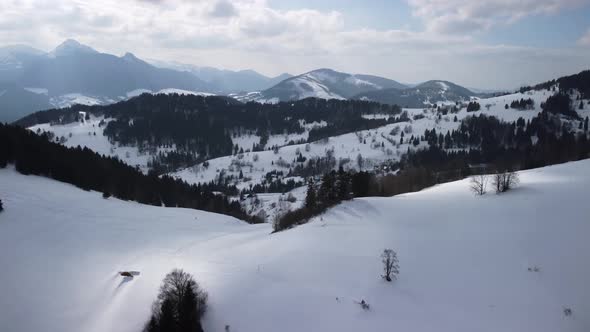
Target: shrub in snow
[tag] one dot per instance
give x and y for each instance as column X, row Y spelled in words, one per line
column 291, row 198
column 106, row 195
column 364, row 305
column 567, row 312
column 504, row 181
column 390, row 264
column 180, row 305
column 478, row 184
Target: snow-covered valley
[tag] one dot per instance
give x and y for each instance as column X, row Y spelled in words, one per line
column 464, row 260
column 370, row 150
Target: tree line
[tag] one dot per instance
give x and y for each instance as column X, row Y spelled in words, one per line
column 579, row 82
column 37, row 155
column 205, row 127
column 485, row 141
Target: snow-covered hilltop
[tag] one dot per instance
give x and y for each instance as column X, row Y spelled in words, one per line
column 431, row 92
column 510, row 262
column 321, row 83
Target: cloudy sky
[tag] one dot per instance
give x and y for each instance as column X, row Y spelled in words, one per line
column 476, row 43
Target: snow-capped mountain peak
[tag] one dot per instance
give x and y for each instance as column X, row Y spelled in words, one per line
column 71, row 47
column 324, row 83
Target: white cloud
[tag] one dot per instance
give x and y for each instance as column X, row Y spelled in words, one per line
column 465, row 16
column 585, row 39
column 223, row 8
column 242, row 34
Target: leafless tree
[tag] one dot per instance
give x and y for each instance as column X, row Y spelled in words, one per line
column 504, row 181
column 390, row 264
column 479, row 183
column 175, row 285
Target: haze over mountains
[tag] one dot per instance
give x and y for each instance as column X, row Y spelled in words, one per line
column 33, row 80
column 74, row 73
column 323, row 83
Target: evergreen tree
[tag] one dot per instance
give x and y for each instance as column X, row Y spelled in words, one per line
column 311, row 197
column 327, row 193
column 586, row 124
column 1, row 206
column 343, row 185
column 581, row 104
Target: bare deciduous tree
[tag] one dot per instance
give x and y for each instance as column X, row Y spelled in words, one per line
column 479, row 183
column 390, row 264
column 504, row 181
column 180, row 304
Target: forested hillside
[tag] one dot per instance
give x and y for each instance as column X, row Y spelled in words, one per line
column 34, row 154
column 202, row 128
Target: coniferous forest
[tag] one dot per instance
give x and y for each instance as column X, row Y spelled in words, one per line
column 205, row 126
column 35, row 154
column 481, row 141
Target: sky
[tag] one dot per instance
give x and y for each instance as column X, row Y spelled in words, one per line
column 486, row 44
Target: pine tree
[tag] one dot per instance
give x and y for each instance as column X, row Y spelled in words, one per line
column 327, row 193
column 581, row 104
column 586, row 124
column 343, row 184
column 1, row 206
column 311, row 197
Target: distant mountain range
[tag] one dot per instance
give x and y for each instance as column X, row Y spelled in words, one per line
column 32, row 80
column 225, row 81
column 330, row 84
column 322, row 83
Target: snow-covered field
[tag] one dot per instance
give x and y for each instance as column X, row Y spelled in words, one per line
column 464, row 260
column 89, row 134
column 375, row 146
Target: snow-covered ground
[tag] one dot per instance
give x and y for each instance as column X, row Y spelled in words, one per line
column 375, row 146
column 464, row 260
column 89, row 134
column 78, row 98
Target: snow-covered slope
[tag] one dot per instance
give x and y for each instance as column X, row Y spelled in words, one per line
column 89, row 133
column 321, row 83
column 426, row 93
column 375, row 146
column 464, row 260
